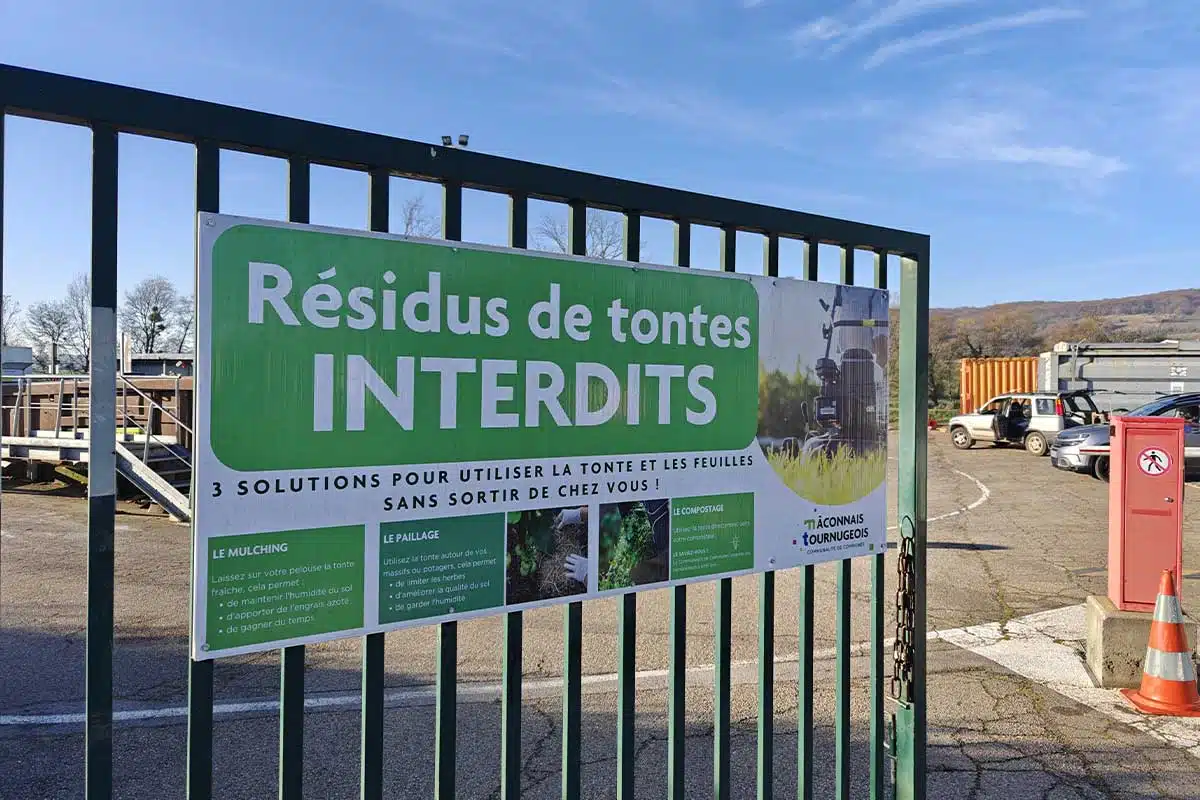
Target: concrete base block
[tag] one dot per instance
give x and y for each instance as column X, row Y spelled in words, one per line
column 1116, row 643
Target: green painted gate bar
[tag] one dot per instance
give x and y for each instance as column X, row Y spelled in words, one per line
column 897, row 702
column 102, row 488
column 200, row 673
column 373, row 669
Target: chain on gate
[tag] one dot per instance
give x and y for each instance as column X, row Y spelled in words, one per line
column 902, row 648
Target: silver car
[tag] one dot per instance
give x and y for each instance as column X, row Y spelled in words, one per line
column 1085, row 449
column 1029, row 419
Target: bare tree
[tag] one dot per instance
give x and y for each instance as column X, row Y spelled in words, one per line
column 78, row 304
column 149, row 313
column 605, row 235
column 10, row 320
column 46, row 327
column 417, row 220
column 182, row 334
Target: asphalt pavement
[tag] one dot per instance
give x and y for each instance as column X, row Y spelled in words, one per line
column 1009, row 536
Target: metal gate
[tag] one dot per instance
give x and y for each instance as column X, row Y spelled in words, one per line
column 897, row 705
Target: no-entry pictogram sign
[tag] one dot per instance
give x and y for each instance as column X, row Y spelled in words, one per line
column 1154, row 461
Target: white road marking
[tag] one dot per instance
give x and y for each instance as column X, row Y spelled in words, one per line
column 480, row 693
column 1045, row 648
column 421, row 695
column 984, row 494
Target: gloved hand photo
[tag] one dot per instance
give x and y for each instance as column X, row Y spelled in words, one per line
column 577, row 568
column 571, row 516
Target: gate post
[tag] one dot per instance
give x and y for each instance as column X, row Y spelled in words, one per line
column 908, row 675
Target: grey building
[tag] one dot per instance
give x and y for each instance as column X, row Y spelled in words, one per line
column 16, row 360
column 160, row 364
column 1122, row 376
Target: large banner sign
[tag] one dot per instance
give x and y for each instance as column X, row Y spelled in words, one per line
column 393, row 431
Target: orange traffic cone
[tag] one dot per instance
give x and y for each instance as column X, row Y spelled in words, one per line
column 1168, row 677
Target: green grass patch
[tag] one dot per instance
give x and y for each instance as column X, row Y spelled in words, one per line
column 831, row 480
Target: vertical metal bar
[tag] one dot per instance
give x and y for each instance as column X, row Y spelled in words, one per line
column 728, row 248
column 722, row 688
column 518, row 222
column 842, row 684
column 572, row 732
column 766, row 686
column 677, row 707
column 102, row 466
column 371, row 742
column 446, row 712
column 510, row 708
column 633, row 236
column 572, row 700
column 844, row 589
column 804, row 702
column 677, row 624
column 11, row 432
column 200, row 673
column 766, row 622
column 878, row 725
column 291, row 666
column 723, row 610
column 149, row 428
column 805, row 733
column 810, row 266
column 683, row 243
column 626, row 682
column 446, row 709
column 627, row 617
column 452, row 198
column 58, row 409
column 771, row 255
column 914, row 407
column 510, row 699
column 577, row 228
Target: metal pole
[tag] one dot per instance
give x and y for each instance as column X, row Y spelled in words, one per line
column 102, row 472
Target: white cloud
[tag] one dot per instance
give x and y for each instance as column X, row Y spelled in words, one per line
column 941, row 36
column 897, row 13
column 1003, row 138
column 522, row 30
column 840, row 33
column 714, row 115
column 1157, row 111
column 819, row 30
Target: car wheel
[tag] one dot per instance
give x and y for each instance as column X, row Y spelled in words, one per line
column 961, row 439
column 1035, row 443
column 1100, row 468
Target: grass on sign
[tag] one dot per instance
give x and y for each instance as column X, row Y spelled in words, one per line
column 831, row 480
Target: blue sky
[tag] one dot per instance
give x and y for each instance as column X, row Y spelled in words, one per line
column 1048, row 148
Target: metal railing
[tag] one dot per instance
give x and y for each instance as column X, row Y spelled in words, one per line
column 20, row 412
column 110, row 110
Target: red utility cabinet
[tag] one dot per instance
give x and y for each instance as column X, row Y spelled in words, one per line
column 1145, row 508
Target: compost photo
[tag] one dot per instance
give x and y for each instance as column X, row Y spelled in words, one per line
column 547, row 554
column 823, row 395
column 635, row 543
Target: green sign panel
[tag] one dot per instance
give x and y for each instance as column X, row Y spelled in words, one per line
column 393, row 431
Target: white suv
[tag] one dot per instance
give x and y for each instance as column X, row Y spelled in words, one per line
column 1029, row 419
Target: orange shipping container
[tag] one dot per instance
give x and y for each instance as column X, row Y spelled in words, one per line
column 981, row 379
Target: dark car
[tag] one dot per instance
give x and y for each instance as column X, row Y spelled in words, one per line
column 1085, row 449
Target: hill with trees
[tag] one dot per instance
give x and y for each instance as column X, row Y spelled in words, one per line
column 1032, row 327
